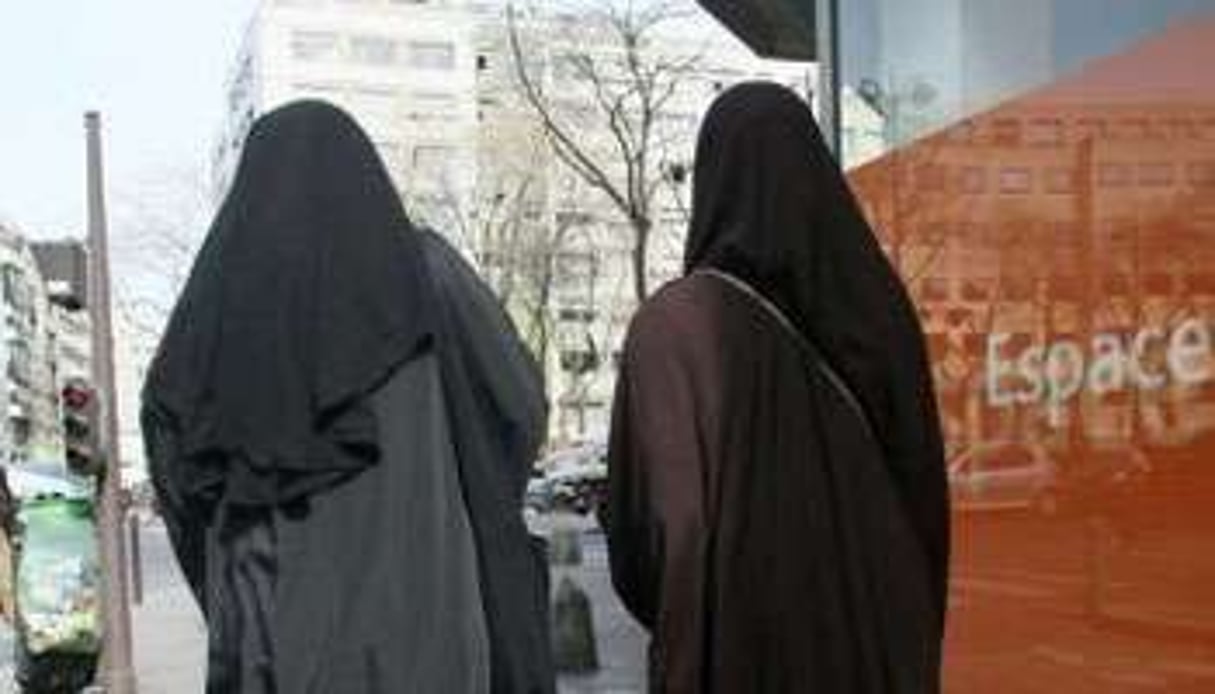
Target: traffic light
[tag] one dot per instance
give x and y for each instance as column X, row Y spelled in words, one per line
column 81, row 408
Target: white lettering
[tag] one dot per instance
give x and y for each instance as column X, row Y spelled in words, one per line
column 1190, row 353
column 1108, row 372
column 1030, row 368
column 997, row 369
column 1149, row 360
column 1139, row 350
column 1064, row 371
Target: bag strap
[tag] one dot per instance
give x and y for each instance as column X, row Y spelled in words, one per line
column 803, row 342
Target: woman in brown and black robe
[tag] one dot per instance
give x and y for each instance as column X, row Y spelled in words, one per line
column 778, row 516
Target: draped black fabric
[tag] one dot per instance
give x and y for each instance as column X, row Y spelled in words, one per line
column 306, row 294
column 496, row 409
column 777, row 514
column 339, row 425
column 772, row 207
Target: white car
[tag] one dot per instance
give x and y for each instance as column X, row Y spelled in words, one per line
column 1004, row 476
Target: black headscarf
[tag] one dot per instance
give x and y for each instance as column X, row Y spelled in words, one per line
column 308, row 291
column 771, row 206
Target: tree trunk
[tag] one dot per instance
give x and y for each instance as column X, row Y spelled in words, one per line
column 641, row 242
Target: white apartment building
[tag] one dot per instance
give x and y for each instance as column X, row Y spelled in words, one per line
column 30, row 429
column 404, row 68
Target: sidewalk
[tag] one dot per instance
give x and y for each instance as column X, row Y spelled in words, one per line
column 170, row 641
column 620, row 640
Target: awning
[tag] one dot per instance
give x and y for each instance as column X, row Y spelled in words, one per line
column 772, row 28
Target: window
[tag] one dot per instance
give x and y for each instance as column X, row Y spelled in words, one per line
column 1016, row 180
column 431, row 106
column 579, row 360
column 1044, row 132
column 1202, row 174
column 373, row 50
column 930, row 178
column 313, row 46
column 934, row 289
column 20, row 362
column 1116, row 285
column 1060, row 180
column 1113, row 175
column 432, row 157
column 1065, row 288
column 1006, row 132
column 976, row 289
column 973, row 179
column 576, row 315
column 432, row 55
column 1156, row 174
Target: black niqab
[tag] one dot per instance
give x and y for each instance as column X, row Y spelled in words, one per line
column 771, row 207
column 307, row 293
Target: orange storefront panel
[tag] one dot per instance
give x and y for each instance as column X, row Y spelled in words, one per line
column 1061, row 248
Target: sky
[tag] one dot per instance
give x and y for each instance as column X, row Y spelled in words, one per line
column 155, row 69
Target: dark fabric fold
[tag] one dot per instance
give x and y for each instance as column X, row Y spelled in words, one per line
column 772, row 207
column 496, row 407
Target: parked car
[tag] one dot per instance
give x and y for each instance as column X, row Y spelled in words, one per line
column 574, row 479
column 1011, row 475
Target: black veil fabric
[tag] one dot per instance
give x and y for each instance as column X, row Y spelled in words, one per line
column 307, row 293
column 771, row 206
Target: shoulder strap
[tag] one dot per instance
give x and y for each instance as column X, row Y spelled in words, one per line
column 803, row 342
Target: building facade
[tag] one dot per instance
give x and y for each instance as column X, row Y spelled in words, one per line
column 405, row 70
column 32, row 336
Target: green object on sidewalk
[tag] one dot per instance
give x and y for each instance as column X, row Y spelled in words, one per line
column 58, row 577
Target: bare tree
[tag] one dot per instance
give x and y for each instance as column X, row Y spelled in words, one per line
column 605, row 122
column 158, row 225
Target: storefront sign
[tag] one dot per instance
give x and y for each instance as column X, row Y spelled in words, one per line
column 1150, row 359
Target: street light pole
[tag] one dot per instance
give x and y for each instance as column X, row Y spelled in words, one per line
column 118, row 673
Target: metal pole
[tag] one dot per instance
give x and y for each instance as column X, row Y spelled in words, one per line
column 118, row 674
column 827, row 39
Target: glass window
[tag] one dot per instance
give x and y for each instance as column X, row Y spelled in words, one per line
column 1060, row 180
column 373, row 50
column 432, row 55
column 313, row 46
column 1156, row 174
column 432, row 156
column 1090, row 281
column 1016, row 180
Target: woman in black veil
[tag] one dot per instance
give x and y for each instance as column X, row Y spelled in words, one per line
column 340, row 421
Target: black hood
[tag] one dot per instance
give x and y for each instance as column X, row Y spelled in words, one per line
column 308, row 291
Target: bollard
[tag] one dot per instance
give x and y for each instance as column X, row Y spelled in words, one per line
column 565, row 547
column 574, row 649
column 135, row 559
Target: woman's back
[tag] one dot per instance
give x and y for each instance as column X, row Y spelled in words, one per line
column 753, row 525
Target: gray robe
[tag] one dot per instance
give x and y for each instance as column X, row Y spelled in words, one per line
column 416, row 574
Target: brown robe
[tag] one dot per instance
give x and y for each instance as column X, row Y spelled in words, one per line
column 754, row 528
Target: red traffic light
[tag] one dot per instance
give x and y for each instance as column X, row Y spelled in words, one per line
column 77, row 396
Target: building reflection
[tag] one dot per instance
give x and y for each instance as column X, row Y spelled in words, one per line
column 1061, row 249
